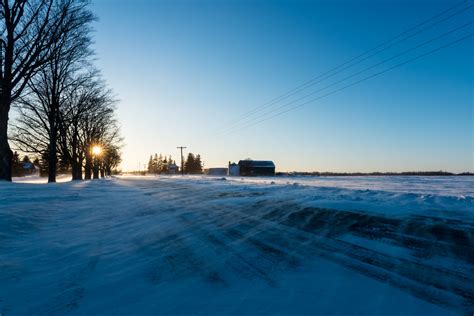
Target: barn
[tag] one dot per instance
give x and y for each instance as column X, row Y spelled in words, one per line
column 257, row 168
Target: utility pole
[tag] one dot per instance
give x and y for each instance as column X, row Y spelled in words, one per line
column 182, row 163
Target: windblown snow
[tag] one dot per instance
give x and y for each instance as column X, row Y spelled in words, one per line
column 232, row 246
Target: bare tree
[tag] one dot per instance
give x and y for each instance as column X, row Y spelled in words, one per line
column 80, row 101
column 28, row 33
column 86, row 119
column 51, row 87
column 111, row 159
column 99, row 128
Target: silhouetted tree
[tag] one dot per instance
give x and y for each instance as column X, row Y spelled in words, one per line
column 85, row 118
column 17, row 166
column 112, row 159
column 50, row 88
column 29, row 32
column 99, row 127
column 198, row 164
column 189, row 163
column 43, row 165
column 193, row 164
column 151, row 165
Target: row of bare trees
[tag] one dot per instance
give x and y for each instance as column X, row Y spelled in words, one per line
column 64, row 107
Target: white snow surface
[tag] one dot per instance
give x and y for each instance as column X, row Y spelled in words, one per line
column 35, row 178
column 198, row 245
column 439, row 185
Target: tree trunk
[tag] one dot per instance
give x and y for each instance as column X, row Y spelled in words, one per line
column 76, row 169
column 76, row 161
column 102, row 172
column 88, row 167
column 52, row 159
column 81, row 164
column 5, row 152
column 76, row 164
column 96, row 170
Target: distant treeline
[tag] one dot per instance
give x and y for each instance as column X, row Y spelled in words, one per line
column 158, row 164
column 408, row 173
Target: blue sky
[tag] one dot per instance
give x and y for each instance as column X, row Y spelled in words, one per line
column 185, row 71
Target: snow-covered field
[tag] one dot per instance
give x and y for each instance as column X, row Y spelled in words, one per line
column 35, row 178
column 271, row 246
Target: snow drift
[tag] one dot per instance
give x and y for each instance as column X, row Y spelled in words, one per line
column 203, row 245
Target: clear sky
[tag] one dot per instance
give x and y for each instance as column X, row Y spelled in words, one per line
column 186, row 71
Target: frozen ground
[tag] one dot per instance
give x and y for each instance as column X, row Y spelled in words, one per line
column 275, row 246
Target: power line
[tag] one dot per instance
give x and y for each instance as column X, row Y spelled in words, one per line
column 360, row 81
column 311, row 82
column 348, row 64
column 360, row 72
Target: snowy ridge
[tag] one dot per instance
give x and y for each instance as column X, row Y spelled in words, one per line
column 167, row 245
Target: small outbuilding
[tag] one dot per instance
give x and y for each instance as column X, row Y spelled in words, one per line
column 28, row 168
column 217, row 171
column 234, row 169
column 172, row 168
column 256, row 168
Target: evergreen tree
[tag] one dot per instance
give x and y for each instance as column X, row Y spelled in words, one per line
column 197, row 164
column 189, row 164
column 17, row 167
column 43, row 165
column 161, row 165
column 150, row 165
column 193, row 164
column 164, row 164
column 156, row 164
column 63, row 164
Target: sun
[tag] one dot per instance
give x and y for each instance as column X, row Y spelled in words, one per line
column 96, row 150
